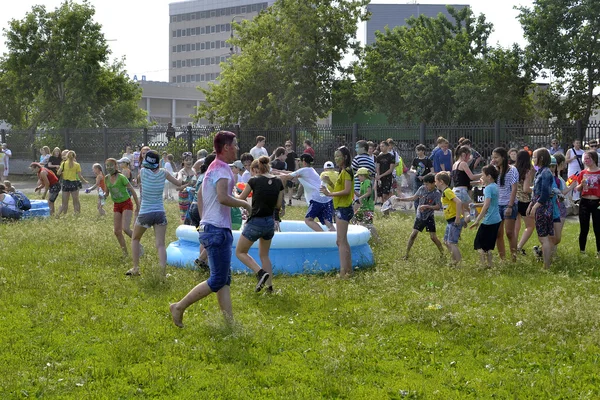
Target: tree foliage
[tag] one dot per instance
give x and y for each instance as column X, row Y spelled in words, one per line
column 434, row 70
column 290, row 54
column 57, row 73
column 564, row 37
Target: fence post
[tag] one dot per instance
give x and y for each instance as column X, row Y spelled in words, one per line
column 2, row 136
column 34, row 151
column 497, row 133
column 422, row 133
column 145, row 137
column 580, row 131
column 66, row 138
column 190, row 139
column 105, row 142
column 354, row 138
column 294, row 136
column 236, row 130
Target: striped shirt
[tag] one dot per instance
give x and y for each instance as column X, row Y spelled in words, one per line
column 511, row 178
column 153, row 184
column 362, row 161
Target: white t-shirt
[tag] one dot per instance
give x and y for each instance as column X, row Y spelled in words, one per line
column 245, row 177
column 573, row 167
column 259, row 151
column 169, row 169
column 309, row 178
column 8, row 202
column 213, row 212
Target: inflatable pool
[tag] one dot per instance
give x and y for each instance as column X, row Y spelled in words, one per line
column 295, row 250
column 39, row 209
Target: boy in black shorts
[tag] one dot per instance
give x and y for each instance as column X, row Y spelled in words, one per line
column 430, row 200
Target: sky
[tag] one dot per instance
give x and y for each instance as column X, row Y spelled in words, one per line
column 139, row 29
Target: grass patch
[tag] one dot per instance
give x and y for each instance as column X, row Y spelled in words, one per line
column 73, row 326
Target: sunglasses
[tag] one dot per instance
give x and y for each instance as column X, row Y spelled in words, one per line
column 288, row 145
column 593, row 145
column 187, row 154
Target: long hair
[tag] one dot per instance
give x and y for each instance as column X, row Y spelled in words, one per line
column 523, row 164
column 501, row 151
column 347, row 160
column 71, row 157
column 262, row 164
column 593, row 155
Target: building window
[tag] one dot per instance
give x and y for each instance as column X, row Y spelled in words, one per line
column 193, row 77
column 174, row 33
column 174, row 79
column 212, row 45
column 193, row 32
column 207, row 61
column 243, row 10
column 202, row 78
column 178, row 78
column 174, row 64
column 178, row 32
column 218, row 28
column 253, row 7
column 223, row 27
column 197, row 62
column 218, row 44
column 227, row 11
column 174, row 49
column 174, row 18
column 193, row 15
column 223, row 58
column 207, row 45
column 202, row 61
column 179, row 48
column 232, row 10
column 227, row 27
column 203, row 14
column 193, row 46
column 201, row 46
column 183, row 32
column 188, row 47
column 188, row 31
column 202, row 31
column 212, row 29
column 178, row 63
column 188, row 63
column 213, row 14
column 193, row 62
column 188, row 78
column 212, row 61
column 223, row 43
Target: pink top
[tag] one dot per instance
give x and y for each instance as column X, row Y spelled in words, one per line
column 213, row 212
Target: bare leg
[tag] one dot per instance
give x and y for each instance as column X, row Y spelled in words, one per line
column 529, row 228
column 312, row 224
column 509, row 227
column 65, row 204
column 117, row 229
column 127, row 215
column 547, row 246
column 76, row 203
column 263, row 251
column 241, row 252
column 199, row 292
column 500, row 241
column 159, row 238
column 411, row 241
column 456, row 256
column 344, row 248
column 437, row 242
column 138, row 232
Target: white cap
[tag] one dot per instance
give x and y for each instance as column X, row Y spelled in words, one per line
column 328, row 164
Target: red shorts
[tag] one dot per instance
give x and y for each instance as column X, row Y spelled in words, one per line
column 120, row 207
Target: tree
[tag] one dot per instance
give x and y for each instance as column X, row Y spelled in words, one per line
column 290, row 55
column 564, row 37
column 435, row 70
column 57, row 73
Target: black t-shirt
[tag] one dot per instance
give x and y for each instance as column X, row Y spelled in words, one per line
column 278, row 164
column 265, row 192
column 54, row 161
column 290, row 160
column 385, row 160
column 422, row 166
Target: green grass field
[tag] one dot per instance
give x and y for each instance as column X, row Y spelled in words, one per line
column 74, row 327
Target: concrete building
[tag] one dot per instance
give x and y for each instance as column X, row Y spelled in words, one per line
column 198, row 31
column 392, row 15
column 168, row 102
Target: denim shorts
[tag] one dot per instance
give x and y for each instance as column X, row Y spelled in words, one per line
column 513, row 215
column 344, row 213
column 452, row 233
column 462, row 194
column 322, row 211
column 150, row 219
column 259, row 228
column 217, row 242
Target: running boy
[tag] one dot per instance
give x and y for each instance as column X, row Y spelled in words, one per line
column 453, row 215
column 489, row 218
column 429, row 199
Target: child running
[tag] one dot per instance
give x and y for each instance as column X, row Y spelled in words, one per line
column 488, row 219
column 266, row 198
column 429, row 199
column 121, row 191
column 101, row 186
column 453, row 215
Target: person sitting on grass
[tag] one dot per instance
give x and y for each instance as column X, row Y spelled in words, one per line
column 101, row 186
column 489, row 218
column 453, row 215
column 364, row 204
column 9, row 187
column 8, row 205
column 429, row 200
column 319, row 206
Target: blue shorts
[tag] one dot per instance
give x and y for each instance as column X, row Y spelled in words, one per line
column 452, row 233
column 322, row 211
column 150, row 219
column 344, row 213
column 217, row 242
column 259, row 228
column 513, row 215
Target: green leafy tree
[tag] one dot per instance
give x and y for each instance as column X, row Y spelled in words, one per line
column 57, row 73
column 435, row 70
column 290, row 55
column 564, row 37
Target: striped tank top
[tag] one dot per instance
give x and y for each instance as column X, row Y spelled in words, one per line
column 153, row 184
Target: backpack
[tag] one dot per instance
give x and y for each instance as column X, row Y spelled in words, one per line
column 21, row 201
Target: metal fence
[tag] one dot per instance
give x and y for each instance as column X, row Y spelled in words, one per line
column 95, row 145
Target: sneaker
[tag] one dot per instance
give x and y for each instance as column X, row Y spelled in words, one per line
column 201, row 264
column 261, row 277
column 521, row 252
column 537, row 251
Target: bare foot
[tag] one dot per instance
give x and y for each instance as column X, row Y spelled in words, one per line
column 133, row 272
column 177, row 315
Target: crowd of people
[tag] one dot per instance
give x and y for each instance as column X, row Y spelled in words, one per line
column 518, row 187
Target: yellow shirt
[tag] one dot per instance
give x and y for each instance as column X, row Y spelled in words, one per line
column 448, row 204
column 340, row 185
column 70, row 174
column 333, row 177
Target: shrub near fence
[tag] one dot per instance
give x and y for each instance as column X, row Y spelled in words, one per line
column 94, row 145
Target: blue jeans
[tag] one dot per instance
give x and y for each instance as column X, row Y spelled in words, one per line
column 259, row 228
column 217, row 242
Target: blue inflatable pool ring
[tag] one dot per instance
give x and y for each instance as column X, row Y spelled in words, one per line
column 39, row 209
column 297, row 249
